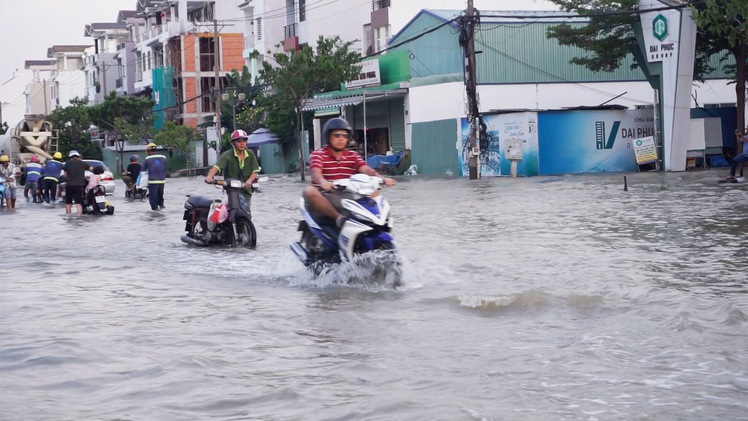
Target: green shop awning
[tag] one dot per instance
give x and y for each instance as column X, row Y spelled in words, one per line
column 331, row 103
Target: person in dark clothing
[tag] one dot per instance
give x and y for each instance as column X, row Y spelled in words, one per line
column 51, row 177
column 130, row 176
column 75, row 173
column 155, row 166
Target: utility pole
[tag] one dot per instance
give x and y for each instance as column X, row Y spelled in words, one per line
column 216, row 91
column 468, row 43
column 1, row 112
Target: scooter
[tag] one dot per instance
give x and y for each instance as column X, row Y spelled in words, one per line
column 365, row 233
column 210, row 221
column 97, row 203
column 132, row 189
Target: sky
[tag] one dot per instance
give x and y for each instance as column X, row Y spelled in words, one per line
column 30, row 27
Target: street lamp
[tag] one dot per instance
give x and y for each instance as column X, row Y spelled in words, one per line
column 234, row 100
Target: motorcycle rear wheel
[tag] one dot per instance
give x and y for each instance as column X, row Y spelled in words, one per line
column 246, row 233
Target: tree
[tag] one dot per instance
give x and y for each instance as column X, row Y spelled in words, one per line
column 176, row 137
column 298, row 76
column 239, row 83
column 127, row 117
column 72, row 124
column 726, row 19
column 607, row 36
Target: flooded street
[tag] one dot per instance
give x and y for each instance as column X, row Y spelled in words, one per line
column 541, row 298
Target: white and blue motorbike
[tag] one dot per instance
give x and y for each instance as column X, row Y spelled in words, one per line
column 364, row 239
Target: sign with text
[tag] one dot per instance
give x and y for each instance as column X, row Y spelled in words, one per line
column 368, row 76
column 645, row 150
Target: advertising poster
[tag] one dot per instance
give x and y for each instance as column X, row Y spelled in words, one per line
column 590, row 141
column 490, row 153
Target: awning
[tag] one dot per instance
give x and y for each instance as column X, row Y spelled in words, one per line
column 261, row 136
column 318, row 104
column 322, row 103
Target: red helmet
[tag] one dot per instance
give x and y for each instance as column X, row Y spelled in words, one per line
column 239, row 134
column 34, row 158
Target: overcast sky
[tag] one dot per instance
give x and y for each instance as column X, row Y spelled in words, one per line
column 29, row 27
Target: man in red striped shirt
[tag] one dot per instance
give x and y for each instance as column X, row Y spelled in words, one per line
column 334, row 162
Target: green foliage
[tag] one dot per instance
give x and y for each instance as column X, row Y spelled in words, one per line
column 174, row 136
column 724, row 20
column 239, row 83
column 607, row 37
column 72, row 124
column 298, row 75
column 127, row 116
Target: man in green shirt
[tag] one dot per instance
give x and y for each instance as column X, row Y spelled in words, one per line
column 238, row 163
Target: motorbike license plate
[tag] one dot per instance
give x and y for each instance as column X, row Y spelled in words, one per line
column 100, row 199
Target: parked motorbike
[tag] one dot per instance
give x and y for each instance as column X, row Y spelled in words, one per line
column 210, row 221
column 366, row 232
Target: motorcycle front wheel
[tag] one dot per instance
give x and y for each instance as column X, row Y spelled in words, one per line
column 246, row 234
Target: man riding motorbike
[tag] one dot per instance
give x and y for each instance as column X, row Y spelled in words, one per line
column 334, row 162
column 238, row 163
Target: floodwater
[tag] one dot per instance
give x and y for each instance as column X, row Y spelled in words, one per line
column 544, row 298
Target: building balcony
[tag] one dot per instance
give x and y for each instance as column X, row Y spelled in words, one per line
column 291, row 30
column 158, row 34
column 291, row 37
column 249, row 46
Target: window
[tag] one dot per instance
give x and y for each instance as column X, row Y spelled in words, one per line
column 379, row 4
column 207, row 54
column 158, row 56
column 204, row 13
column 382, row 35
column 302, row 10
column 206, row 86
column 367, row 39
column 258, row 29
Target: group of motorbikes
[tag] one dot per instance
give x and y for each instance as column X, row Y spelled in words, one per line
column 366, row 231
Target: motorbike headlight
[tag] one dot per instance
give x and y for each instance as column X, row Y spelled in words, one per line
column 235, row 184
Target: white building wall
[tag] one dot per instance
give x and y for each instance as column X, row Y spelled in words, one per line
column 448, row 100
column 69, row 84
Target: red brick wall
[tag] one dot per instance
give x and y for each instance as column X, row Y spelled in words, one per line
column 231, row 56
column 188, row 49
column 190, row 91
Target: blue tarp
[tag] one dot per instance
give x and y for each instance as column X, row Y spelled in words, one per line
column 379, row 160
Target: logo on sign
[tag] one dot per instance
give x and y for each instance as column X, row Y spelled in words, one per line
column 605, row 140
column 659, row 27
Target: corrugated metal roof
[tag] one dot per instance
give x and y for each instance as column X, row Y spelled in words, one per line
column 318, row 104
column 329, row 103
column 512, row 50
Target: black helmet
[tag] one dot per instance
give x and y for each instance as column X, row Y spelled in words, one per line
column 133, row 158
column 335, row 124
